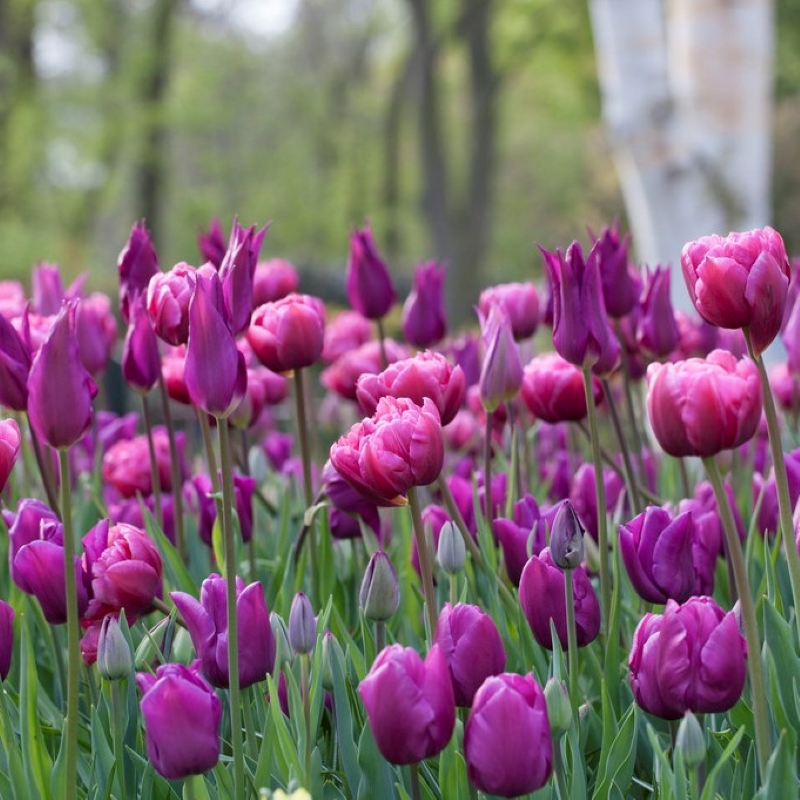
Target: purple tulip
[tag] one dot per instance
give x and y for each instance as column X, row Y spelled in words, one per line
column 181, row 715
column 95, row 331
column 207, row 622
column 237, row 272
column 302, row 625
column 342, row 376
column 553, row 389
column 520, row 302
column 6, row 638
column 507, row 742
column 542, row 597
column 584, row 497
column 9, row 449
column 658, row 332
column 471, row 644
column 243, row 489
column 141, row 361
column 520, row 537
column 768, row 513
column 367, row 282
column 501, row 373
column 273, row 280
column 345, row 333
column 410, row 703
column 15, row 364
column 620, row 285
column 465, row 351
column 137, row 263
column 424, row 316
column 211, row 243
column 690, row 658
column 168, row 297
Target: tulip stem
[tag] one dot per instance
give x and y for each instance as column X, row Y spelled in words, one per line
column 73, row 634
column 629, row 476
column 380, row 635
column 558, row 768
column 488, row 506
column 572, row 638
column 305, row 697
column 45, row 472
column 251, row 544
column 120, row 720
column 305, row 452
column 228, row 500
column 413, row 770
column 425, row 569
column 382, row 343
column 177, row 497
column 754, row 665
column 600, row 490
column 781, row 481
column 155, row 478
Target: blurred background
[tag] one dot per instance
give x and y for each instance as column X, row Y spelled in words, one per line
column 466, row 130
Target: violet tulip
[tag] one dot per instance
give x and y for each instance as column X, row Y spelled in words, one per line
column 424, row 316
column 345, row 333
column 553, row 389
column 173, row 365
column 507, row 741
column 47, row 289
column 15, row 364
column 302, row 625
column 182, row 714
column 368, row 284
column 739, row 281
column 542, row 597
column 136, row 265
column 32, row 521
column 237, row 271
column 215, row 371
column 410, row 704
column 342, row 376
column 9, row 449
column 6, row 638
column 273, row 280
column 95, row 331
column 471, row 644
column 126, row 464
column 427, row 374
column 206, row 620
column 141, row 361
column 211, row 243
column 621, row 286
column 690, row 658
column 520, row 537
column 583, row 495
column 60, row 390
column 520, row 302
column 501, row 372
column 657, row 330
column 168, row 297
column 700, row 407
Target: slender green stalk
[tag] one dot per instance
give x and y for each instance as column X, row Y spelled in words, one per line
column 45, row 471
column 382, row 344
column 305, row 696
column 208, row 446
column 431, row 612
column 155, row 478
column 488, row 505
column 380, row 635
column 118, row 709
column 628, row 473
column 251, row 545
column 308, row 490
column 754, row 665
column 228, row 501
column 515, row 490
column 572, row 639
column 177, row 496
column 600, row 490
column 249, row 725
column 73, row 633
column 558, row 768
column 453, row 590
column 781, row 482
column 413, row 770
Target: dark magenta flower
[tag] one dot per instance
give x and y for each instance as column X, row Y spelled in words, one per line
column 507, row 742
column 168, row 297
column 583, row 494
column 520, row 537
column 342, row 376
column 690, row 658
column 520, row 301
column 181, row 715
column 137, row 263
column 173, row 367
column 621, row 286
column 471, row 644
column 33, row 520
column 766, row 489
column 424, row 316
column 273, row 280
column 243, row 489
column 501, row 372
column 409, row 703
column 553, row 390
column 207, row 622
column 15, row 363
column 95, row 331
column 237, row 273
column 367, row 282
column 6, row 638
column 141, row 361
column 9, row 449
column 658, row 332
column 126, row 464
column 211, row 243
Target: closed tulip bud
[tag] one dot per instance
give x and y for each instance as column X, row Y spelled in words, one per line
column 691, row 741
column 136, row 265
column 182, row 714
column 553, row 390
column 520, row 301
column 367, row 282
column 501, row 373
column 211, row 243
column 739, row 281
column 168, row 297
column 9, row 449
column 566, row 538
column 620, row 285
column 471, row 644
column 409, row 703
column 141, row 361
column 451, row 552
column 330, row 650
column 379, row 597
column 507, row 742
column 559, row 707
column 424, row 316
column 15, row 363
column 6, row 638
column 658, row 332
column 302, row 625
column 114, row 661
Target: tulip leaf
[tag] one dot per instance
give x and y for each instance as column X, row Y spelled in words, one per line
column 180, row 578
column 217, row 545
column 778, row 636
column 11, row 752
column 103, row 755
column 666, row 788
column 781, row 779
column 719, row 764
column 617, row 762
column 195, row 788
column 287, row 750
column 344, row 720
column 377, row 778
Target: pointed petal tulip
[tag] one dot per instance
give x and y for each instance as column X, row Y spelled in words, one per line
column 168, row 297
column 137, row 263
column 521, row 303
column 15, row 364
column 424, row 317
column 141, row 362
column 658, row 332
column 215, row 371
column 211, row 243
column 59, row 387
column 620, row 285
column 368, row 283
column 9, row 449
column 47, row 289
column 501, row 374
column 237, row 272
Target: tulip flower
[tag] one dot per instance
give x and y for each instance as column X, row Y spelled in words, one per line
column 60, row 390
column 621, row 286
column 181, row 715
column 237, row 272
column 766, row 489
column 541, row 595
column 207, row 623
column 427, row 374
column 214, row 371
column 168, row 297
column 95, row 331
column 520, row 537
column 289, row 333
column 658, row 332
column 507, row 742
column 141, row 361
column 424, row 316
column 15, row 364
column 273, row 280
column 379, row 596
column 553, row 389
column 367, row 282
column 690, row 658
column 566, row 538
column 501, row 373
column 47, row 289
column 583, row 495
column 136, row 266
column 113, row 654
column 465, row 352
column 211, row 243
column 9, row 449
column 520, row 301
column 700, row 407
column 346, row 332
column 173, row 365
column 409, row 703
column 739, row 281
column 342, row 376
column 6, row 638
column 243, row 489
column 471, row 644
column 302, row 625
column 126, row 464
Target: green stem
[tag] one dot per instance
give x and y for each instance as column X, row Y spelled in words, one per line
column 754, row 665
column 45, row 471
column 631, row 484
column 120, row 720
column 413, row 770
column 251, row 545
column 453, row 590
column 73, row 633
column 208, row 446
column 177, row 496
column 558, row 768
column 380, row 635
column 488, row 506
column 600, row 490
column 228, row 501
column 308, row 491
column 155, row 478
column 382, row 344
column 306, row 698
column 249, row 726
column 781, row 482
column 572, row 639
column 425, row 568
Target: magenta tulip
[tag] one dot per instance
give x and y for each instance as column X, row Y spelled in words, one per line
column 553, row 390
column 211, row 243
column 367, row 282
column 15, row 363
column 237, row 272
column 424, row 315
column 141, row 361
column 6, row 638
column 168, row 297
column 501, row 372
column 136, row 266
column 9, row 449
column 273, row 280
column 657, row 330
column 520, row 302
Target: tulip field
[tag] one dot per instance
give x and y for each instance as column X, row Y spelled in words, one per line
column 352, row 553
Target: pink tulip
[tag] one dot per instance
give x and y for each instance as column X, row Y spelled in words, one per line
column 553, row 389
column 168, row 298
column 273, row 280
column 368, row 283
column 9, row 449
column 520, row 302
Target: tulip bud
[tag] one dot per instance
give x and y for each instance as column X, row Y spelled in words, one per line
column 283, row 650
column 302, row 625
column 691, row 741
column 451, row 552
column 328, row 654
column 114, row 660
column 559, row 708
column 566, row 538
column 380, row 591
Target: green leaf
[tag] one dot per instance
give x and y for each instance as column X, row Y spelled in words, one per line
column 713, row 775
column 780, row 781
column 617, row 761
column 344, row 720
column 377, row 778
column 179, row 575
column 778, row 637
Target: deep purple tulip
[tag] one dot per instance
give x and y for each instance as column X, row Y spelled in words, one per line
column 15, row 364
column 553, row 390
column 130, row 512
column 6, row 638
column 95, row 331
column 137, row 263
column 243, row 489
column 501, row 372
column 211, row 243
column 768, row 513
column 346, row 502
column 368, row 284
column 9, row 449
column 620, row 285
column 520, row 537
column 658, row 332
column 215, row 371
column 690, row 658
column 237, row 272
column 141, row 361
column 410, row 703
column 181, row 715
column 33, row 520
column 207, row 622
column 465, row 351
column 507, row 742
column 168, row 297
column 583, row 495
column 424, row 316
column 520, row 302
column 60, row 390
column 471, row 643
column 541, row 595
